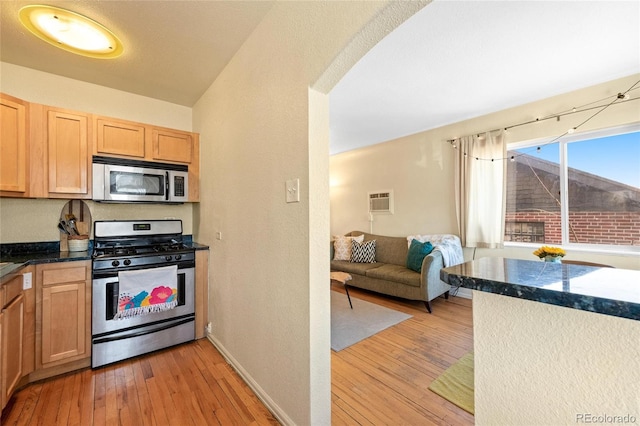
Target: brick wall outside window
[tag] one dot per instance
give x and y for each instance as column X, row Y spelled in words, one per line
column 606, row 228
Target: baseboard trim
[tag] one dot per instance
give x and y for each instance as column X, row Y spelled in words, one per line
column 275, row 409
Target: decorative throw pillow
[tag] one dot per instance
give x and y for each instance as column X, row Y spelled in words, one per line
column 363, row 252
column 417, row 252
column 342, row 246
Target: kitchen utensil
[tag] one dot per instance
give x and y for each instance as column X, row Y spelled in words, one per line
column 72, row 225
column 71, row 221
column 62, row 228
column 65, row 225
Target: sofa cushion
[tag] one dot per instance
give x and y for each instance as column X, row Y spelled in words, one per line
column 417, row 252
column 342, row 246
column 388, row 249
column 395, row 273
column 352, row 268
column 363, row 252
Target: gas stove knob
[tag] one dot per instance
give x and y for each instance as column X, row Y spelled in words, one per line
column 167, row 258
column 115, row 263
column 178, row 256
column 127, row 262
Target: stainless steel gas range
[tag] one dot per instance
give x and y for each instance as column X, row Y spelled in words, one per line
column 143, row 289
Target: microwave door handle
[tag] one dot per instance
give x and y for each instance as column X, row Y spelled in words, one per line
column 166, row 186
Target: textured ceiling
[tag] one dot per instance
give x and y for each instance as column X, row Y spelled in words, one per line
column 174, row 50
column 452, row 61
column 456, row 60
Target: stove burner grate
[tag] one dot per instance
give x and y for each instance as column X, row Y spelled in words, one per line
column 111, row 250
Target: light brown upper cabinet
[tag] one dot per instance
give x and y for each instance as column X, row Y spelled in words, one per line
column 46, row 152
column 179, row 147
column 14, row 165
column 68, row 135
column 172, row 146
column 139, row 141
column 119, row 138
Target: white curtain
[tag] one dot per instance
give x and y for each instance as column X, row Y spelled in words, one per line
column 480, row 189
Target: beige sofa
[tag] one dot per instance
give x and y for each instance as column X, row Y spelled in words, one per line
column 389, row 274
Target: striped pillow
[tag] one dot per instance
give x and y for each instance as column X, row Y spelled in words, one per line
column 363, row 252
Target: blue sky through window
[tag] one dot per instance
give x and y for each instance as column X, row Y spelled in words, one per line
column 614, row 157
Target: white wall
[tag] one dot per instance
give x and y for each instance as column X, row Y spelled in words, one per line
column 49, row 89
column 539, row 364
column 261, row 125
column 35, row 220
column 419, row 168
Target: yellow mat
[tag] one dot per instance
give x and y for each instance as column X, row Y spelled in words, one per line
column 456, row 383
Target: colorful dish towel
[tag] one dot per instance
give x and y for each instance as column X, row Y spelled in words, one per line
column 147, row 291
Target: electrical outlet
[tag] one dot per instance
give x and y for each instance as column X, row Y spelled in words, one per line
column 218, row 235
column 208, row 328
column 26, row 281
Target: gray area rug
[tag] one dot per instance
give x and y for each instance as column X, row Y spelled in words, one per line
column 349, row 326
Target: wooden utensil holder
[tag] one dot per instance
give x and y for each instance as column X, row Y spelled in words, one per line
column 83, row 224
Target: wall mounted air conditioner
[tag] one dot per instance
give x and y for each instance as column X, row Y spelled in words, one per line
column 381, row 202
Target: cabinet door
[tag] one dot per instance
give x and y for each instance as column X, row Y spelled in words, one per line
column 63, row 322
column 172, row 146
column 69, row 162
column 120, row 138
column 13, row 145
column 63, row 313
column 3, row 401
column 12, row 331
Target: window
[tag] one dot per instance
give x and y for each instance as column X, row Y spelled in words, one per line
column 527, row 232
column 581, row 190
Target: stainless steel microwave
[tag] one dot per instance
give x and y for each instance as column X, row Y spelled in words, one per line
column 125, row 181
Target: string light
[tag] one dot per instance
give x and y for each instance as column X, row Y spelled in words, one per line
column 620, row 97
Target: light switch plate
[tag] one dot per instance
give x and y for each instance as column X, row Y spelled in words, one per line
column 292, row 187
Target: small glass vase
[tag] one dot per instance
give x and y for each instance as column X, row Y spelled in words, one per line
column 553, row 259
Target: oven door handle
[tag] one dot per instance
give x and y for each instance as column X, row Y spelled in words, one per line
column 143, row 332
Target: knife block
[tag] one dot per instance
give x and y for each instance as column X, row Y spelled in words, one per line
column 83, row 215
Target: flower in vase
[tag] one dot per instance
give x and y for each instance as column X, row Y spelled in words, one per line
column 545, row 251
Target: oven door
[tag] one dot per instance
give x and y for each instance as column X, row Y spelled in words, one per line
column 105, row 304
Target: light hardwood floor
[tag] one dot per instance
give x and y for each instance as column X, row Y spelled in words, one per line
column 384, row 379
column 381, row 380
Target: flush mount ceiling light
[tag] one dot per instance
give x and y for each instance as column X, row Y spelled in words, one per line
column 70, row 31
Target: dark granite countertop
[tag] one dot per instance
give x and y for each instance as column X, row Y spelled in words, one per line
column 17, row 255
column 607, row 291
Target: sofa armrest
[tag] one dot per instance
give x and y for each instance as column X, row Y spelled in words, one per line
column 430, row 275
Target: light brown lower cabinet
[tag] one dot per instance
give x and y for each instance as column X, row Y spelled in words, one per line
column 63, row 313
column 58, row 308
column 11, row 338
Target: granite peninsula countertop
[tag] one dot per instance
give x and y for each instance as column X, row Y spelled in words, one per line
column 608, row 291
